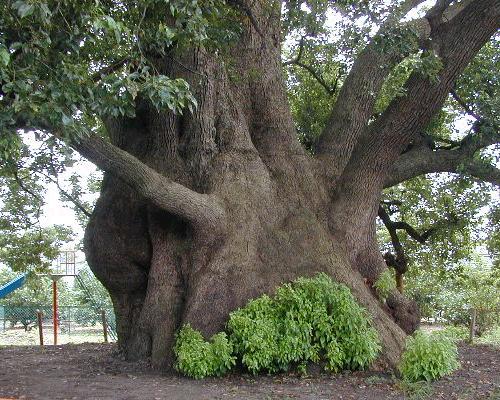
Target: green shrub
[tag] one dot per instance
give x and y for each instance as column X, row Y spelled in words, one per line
column 428, row 357
column 197, row 358
column 311, row 319
column 385, row 284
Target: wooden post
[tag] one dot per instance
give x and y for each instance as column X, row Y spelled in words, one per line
column 54, row 309
column 472, row 324
column 39, row 317
column 104, row 325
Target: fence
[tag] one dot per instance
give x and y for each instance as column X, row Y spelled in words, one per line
column 18, row 324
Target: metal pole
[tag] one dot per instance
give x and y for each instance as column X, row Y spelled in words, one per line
column 54, row 309
column 39, row 316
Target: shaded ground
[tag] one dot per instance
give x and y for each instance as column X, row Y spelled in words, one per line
column 94, row 371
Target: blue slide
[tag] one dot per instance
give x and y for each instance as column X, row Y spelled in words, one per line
column 12, row 285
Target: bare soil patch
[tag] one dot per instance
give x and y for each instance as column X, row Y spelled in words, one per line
column 96, row 371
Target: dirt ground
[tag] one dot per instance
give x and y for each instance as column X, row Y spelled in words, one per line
column 95, row 371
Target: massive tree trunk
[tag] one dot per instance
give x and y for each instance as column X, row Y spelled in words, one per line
column 200, row 212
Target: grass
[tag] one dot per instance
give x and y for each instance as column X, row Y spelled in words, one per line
column 415, row 390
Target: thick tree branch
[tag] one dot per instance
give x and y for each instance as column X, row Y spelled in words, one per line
column 394, row 226
column 246, row 8
column 385, row 139
column 435, row 14
column 354, row 107
column 412, row 232
column 423, row 160
column 203, row 210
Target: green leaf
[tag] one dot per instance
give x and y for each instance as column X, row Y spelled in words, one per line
column 23, row 9
column 4, row 56
column 66, row 120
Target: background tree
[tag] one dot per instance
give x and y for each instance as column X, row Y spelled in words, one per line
column 26, row 246
column 184, row 106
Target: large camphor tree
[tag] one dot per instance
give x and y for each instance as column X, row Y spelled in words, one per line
column 209, row 198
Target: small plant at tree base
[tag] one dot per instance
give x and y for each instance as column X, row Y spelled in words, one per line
column 385, row 284
column 197, row 358
column 308, row 320
column 428, row 357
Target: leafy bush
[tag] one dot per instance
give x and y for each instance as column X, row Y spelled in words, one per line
column 310, row 319
column 197, row 358
column 428, row 357
column 385, row 284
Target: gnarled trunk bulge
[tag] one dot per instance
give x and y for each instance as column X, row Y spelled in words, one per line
column 201, row 212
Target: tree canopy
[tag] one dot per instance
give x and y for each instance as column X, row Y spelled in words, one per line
column 66, row 65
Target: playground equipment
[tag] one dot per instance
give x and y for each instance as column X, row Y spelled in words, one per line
column 12, row 285
column 66, row 266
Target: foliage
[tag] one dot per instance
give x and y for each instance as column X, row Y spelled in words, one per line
column 491, row 336
column 307, row 320
column 310, row 319
column 449, row 298
column 95, row 295
column 428, row 357
column 65, row 66
column 54, row 75
column 493, row 231
column 385, row 284
column 455, row 333
column 452, row 205
column 479, row 84
column 197, row 358
column 24, row 244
